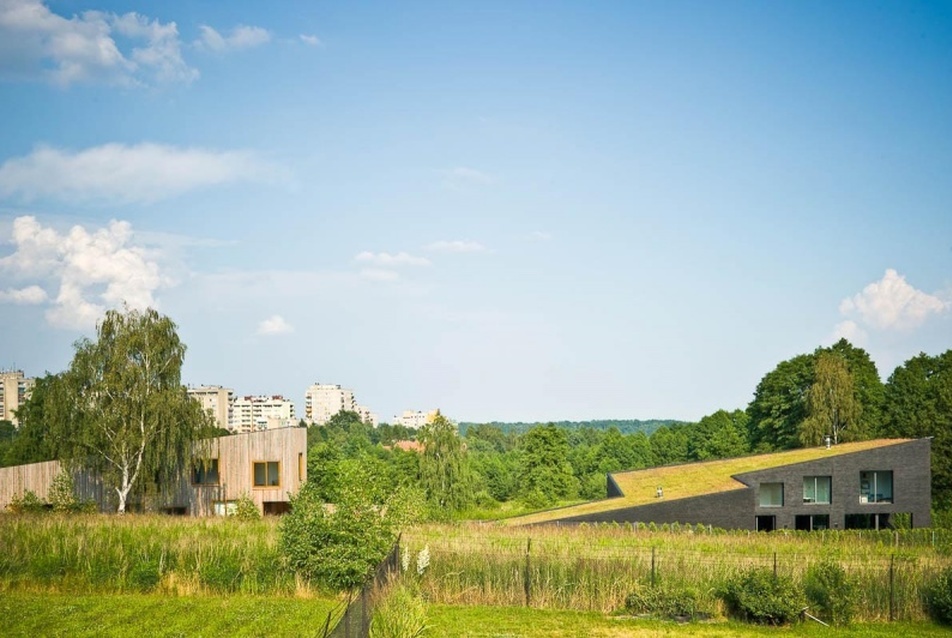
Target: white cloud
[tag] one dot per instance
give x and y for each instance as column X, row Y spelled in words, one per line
column 274, row 325
column 540, row 235
column 37, row 43
column 311, row 40
column 892, row 304
column 456, row 246
column 850, row 331
column 241, row 37
column 31, row 295
column 388, row 260
column 92, row 270
column 465, row 176
column 120, row 174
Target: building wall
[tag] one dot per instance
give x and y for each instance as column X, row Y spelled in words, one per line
column 15, row 389
column 322, row 401
column 217, row 401
column 255, row 413
column 236, row 455
column 738, row 509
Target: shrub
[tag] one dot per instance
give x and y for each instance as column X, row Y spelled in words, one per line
column 27, row 503
column 938, row 598
column 666, row 601
column 400, row 615
column 759, row 596
column 831, row 592
column 246, row 509
column 61, row 493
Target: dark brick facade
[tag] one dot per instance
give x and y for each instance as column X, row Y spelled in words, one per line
column 739, row 509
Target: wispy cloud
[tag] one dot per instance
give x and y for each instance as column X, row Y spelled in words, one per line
column 456, row 246
column 241, row 37
column 89, row 270
column 31, row 295
column 274, row 325
column 310, row 40
column 36, row 43
column 120, row 174
column 461, row 176
column 388, row 260
column 540, row 235
column 892, row 304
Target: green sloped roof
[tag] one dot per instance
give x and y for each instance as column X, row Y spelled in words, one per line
column 693, row 479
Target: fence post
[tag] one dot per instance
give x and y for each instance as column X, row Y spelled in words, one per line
column 892, row 588
column 775, row 564
column 652, row 566
column 528, row 576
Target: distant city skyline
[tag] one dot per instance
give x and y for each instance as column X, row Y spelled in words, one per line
column 510, row 211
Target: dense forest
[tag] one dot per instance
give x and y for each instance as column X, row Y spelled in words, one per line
column 832, row 392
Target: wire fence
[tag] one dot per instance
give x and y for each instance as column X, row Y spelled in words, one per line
column 355, row 620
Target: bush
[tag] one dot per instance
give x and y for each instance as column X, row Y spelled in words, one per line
column 27, row 503
column 759, row 596
column 666, row 601
column 246, row 509
column 938, row 598
column 400, row 615
column 61, row 493
column 830, row 592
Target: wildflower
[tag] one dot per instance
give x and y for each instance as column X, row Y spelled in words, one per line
column 405, row 559
column 423, row 560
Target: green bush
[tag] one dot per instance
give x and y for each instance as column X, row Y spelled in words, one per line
column 938, row 598
column 759, row 596
column 400, row 615
column 831, row 592
column 246, row 509
column 27, row 503
column 666, row 601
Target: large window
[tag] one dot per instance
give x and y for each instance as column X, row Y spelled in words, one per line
column 817, row 489
column 205, row 472
column 812, row 522
column 771, row 494
column 876, row 487
column 267, row 474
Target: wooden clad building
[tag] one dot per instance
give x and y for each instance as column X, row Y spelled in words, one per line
column 266, row 466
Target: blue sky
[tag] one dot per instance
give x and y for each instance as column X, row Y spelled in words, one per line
column 507, row 210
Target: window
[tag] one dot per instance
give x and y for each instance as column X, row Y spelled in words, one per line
column 771, row 494
column 816, row 489
column 867, row 521
column 876, row 487
column 300, row 467
column 765, row 523
column 205, row 472
column 267, row 474
column 812, row 522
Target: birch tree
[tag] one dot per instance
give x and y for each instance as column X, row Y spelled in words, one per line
column 832, row 407
column 123, row 411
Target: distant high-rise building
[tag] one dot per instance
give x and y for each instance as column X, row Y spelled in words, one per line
column 324, row 400
column 15, row 389
column 366, row 415
column 415, row 418
column 217, row 401
column 254, row 413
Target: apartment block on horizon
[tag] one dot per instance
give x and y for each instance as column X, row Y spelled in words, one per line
column 217, row 401
column 15, row 389
column 366, row 415
column 324, row 400
column 263, row 412
column 415, row 419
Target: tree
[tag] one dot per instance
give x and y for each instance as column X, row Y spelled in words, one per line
column 444, row 474
column 868, row 388
column 669, row 445
column 832, row 407
column 121, row 410
column 546, row 474
column 779, row 405
column 31, row 441
column 718, row 436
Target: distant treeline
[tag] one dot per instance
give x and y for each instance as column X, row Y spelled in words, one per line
column 625, row 426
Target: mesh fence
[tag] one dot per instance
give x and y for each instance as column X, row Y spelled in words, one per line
column 354, row 622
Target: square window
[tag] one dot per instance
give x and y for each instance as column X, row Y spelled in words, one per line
column 771, row 494
column 266, row 474
column 876, row 486
column 817, row 489
column 205, row 472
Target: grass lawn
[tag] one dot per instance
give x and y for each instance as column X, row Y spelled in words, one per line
column 512, row 622
column 153, row 615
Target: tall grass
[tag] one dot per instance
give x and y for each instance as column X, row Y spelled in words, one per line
column 593, row 568
column 113, row 554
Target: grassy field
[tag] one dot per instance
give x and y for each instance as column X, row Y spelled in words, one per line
column 155, row 615
column 502, row 622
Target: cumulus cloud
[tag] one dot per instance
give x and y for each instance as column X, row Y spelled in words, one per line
column 388, row 260
column 31, row 295
column 310, row 40
column 38, row 43
column 893, row 304
column 456, row 246
column 850, row 331
column 121, row 174
column 274, row 325
column 241, row 37
column 90, row 270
